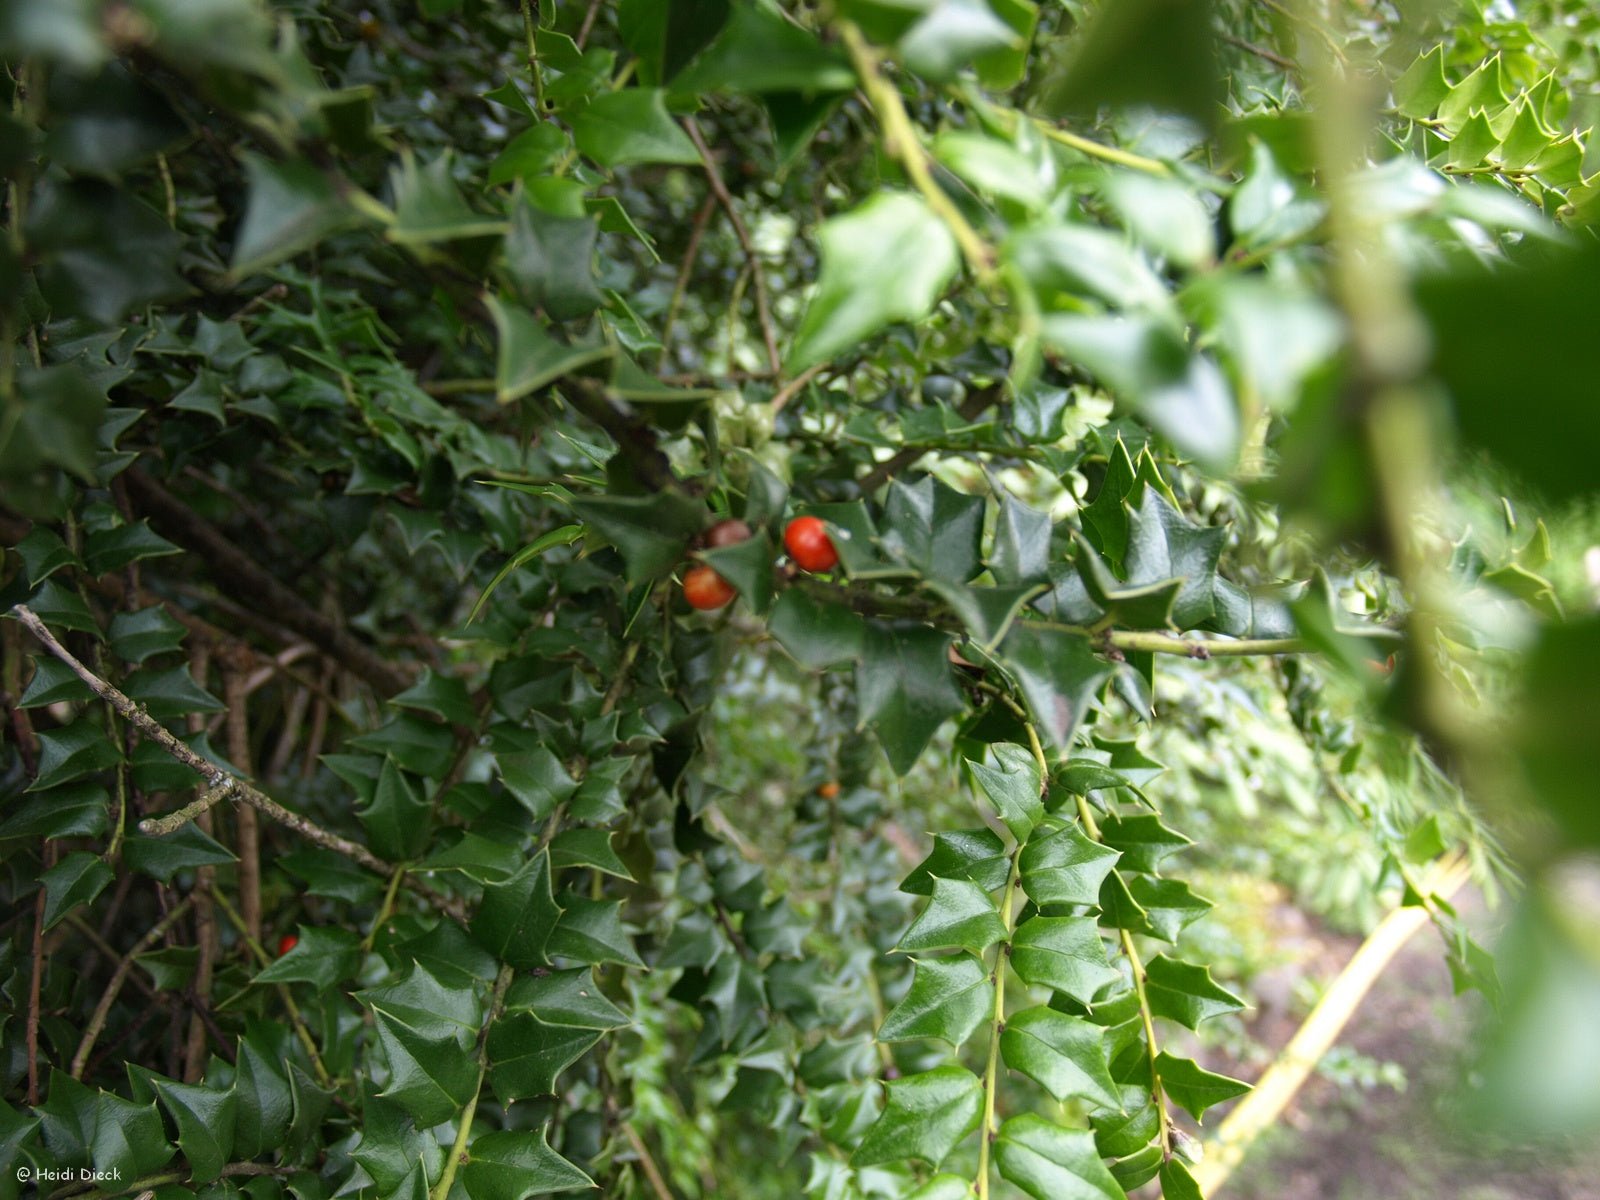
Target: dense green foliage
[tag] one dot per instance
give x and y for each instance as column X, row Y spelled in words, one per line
column 371, row 376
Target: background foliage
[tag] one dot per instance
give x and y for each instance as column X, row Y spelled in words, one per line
column 1196, row 395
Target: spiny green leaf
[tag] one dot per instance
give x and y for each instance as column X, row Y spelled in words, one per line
column 1066, row 867
column 1065, row 1054
column 1012, row 785
column 961, row 914
column 1064, row 953
column 924, row 1116
column 1192, row 1087
column 1185, row 992
column 947, row 1000
column 1051, row 1163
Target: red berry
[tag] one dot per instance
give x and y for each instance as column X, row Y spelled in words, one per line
column 829, row 790
column 727, row 533
column 809, row 545
column 287, row 943
column 705, row 589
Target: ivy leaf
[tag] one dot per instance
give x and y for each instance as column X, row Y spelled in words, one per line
column 1192, row 1087
column 1059, row 675
column 1012, row 786
column 631, row 126
column 947, row 1000
column 974, row 854
column 1143, row 840
column 886, row 261
column 1066, row 867
column 904, row 688
column 1051, row 1163
column 961, row 914
column 1064, row 1054
column 924, row 1116
column 1064, row 953
column 205, row 1120
column 1185, row 992
column 515, row 919
column 511, row 1165
column 526, row 1055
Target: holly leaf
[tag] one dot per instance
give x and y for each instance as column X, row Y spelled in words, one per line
column 632, row 126
column 975, row 854
column 1064, row 1054
column 1012, row 786
column 947, row 1000
column 1169, row 906
column 591, row 931
column 1192, row 1087
column 570, row 998
column 924, row 1116
column 1051, row 1163
column 526, row 1055
column 1185, row 992
column 818, row 633
column 205, row 1120
column 323, row 957
column 515, row 919
column 1066, row 867
column 514, row 1164
column 1063, row 953
column 961, row 914
column 904, row 688
column 427, row 1031
column 887, row 260
column 650, row 532
column 933, row 528
column 1059, row 675
column 1144, row 841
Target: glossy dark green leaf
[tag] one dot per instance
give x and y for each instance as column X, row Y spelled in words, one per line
column 650, row 532
column 51, row 423
column 70, row 753
column 748, row 566
column 1185, row 992
column 292, row 207
column 1059, row 674
column 516, row 918
column 75, row 810
column 168, row 692
column 960, row 914
column 934, row 528
column 886, row 261
column 427, row 1031
column 205, row 1120
column 529, row 358
column 1021, row 552
column 1063, row 953
column 53, row 682
column 74, row 881
column 1013, row 787
column 567, row 998
column 429, row 206
column 182, row 850
column 1169, row 905
column 526, row 1055
column 551, row 261
column 1177, row 1183
column 397, row 819
column 758, row 51
column 511, row 1165
column 948, row 999
column 817, row 632
column 1143, row 840
column 1064, row 1054
column 144, row 633
column 904, row 688
column 591, row 931
column 1192, row 1088
column 391, row 1146
column 324, row 956
column 924, row 1116
column 631, row 126
column 1063, row 866
column 973, row 854
column 1051, row 1163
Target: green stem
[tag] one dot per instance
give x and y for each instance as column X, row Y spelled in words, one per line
column 997, row 1026
column 901, row 141
column 385, row 910
column 530, row 27
column 458, row 1151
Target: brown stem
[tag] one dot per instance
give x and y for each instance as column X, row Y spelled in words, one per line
column 970, row 408
column 97, row 1020
column 32, row 1035
column 740, row 231
column 247, row 827
column 685, row 270
column 249, row 794
column 254, row 586
column 207, row 939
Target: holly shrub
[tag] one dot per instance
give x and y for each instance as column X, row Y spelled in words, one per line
column 1198, row 397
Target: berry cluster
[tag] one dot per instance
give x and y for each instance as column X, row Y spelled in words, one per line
column 805, row 538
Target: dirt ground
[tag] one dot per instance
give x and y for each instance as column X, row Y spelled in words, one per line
column 1345, row 1142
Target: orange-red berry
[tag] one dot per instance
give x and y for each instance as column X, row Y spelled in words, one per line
column 287, row 943
column 807, row 541
column 703, row 588
column 727, row 533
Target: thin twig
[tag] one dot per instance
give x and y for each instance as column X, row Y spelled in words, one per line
column 97, row 1020
column 258, row 800
column 1271, row 56
column 458, row 1151
column 795, row 386
column 205, row 802
column 685, row 270
column 725, row 198
column 970, row 408
column 658, row 1185
column 247, row 828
